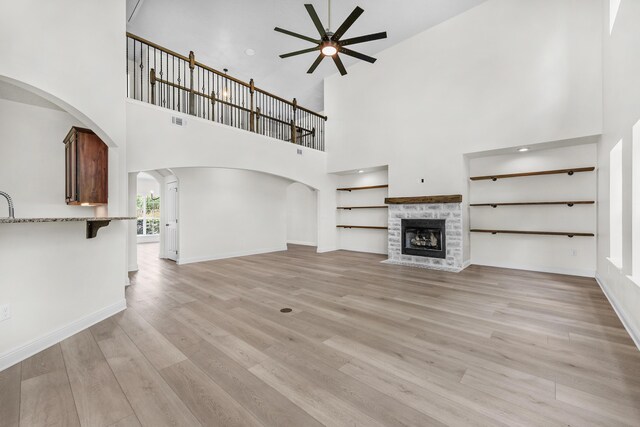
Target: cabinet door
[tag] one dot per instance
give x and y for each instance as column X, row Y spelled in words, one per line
column 92, row 170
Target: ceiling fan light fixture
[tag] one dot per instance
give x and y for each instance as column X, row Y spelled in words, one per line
column 329, row 49
column 331, row 43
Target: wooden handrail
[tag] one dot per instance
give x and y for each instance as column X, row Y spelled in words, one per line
column 155, row 79
column 192, row 61
column 157, row 46
column 522, row 174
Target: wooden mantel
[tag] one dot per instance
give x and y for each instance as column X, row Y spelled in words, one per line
column 453, row 198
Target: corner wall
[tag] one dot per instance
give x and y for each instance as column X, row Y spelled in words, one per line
column 226, row 213
column 302, row 212
column 621, row 113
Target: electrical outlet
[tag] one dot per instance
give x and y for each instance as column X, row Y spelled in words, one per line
column 5, row 312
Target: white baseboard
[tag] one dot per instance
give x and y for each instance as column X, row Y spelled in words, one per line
column 191, row 260
column 19, row 354
column 322, row 250
column 465, row 264
column 555, row 270
column 300, row 242
column 635, row 334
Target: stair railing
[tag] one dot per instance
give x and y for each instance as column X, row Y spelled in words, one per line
column 162, row 77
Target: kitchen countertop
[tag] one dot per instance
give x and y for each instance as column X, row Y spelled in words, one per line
column 67, row 219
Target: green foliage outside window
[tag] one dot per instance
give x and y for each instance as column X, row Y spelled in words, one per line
column 148, row 215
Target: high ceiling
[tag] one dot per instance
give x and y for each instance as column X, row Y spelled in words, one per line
column 219, row 32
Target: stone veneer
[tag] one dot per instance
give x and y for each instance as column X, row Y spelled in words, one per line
column 451, row 212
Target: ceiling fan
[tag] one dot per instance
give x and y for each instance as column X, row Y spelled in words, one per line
column 331, row 43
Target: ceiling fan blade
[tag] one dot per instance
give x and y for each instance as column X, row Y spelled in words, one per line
column 299, row 52
column 362, row 39
column 316, row 20
column 315, row 64
column 347, row 23
column 357, row 55
column 300, row 36
column 339, row 64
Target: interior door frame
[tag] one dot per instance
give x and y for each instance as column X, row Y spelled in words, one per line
column 165, row 219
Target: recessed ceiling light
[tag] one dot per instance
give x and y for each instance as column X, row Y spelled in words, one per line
column 523, row 149
column 250, row 52
column 360, row 171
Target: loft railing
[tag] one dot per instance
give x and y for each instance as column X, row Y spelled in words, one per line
column 165, row 78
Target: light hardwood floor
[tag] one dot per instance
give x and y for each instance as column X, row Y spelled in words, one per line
column 366, row 344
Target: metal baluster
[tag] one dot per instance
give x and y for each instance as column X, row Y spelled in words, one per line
column 134, row 69
column 141, row 74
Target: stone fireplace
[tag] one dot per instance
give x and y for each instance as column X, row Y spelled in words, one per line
column 426, row 232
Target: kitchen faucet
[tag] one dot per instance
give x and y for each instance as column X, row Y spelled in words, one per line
column 10, row 202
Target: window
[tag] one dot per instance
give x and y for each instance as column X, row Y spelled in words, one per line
column 615, row 204
column 148, row 215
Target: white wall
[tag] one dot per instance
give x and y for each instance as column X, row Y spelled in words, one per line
column 55, row 281
column 225, row 213
column 621, row 113
column 357, row 239
column 505, row 73
column 79, row 61
column 153, row 142
column 302, row 211
column 558, row 254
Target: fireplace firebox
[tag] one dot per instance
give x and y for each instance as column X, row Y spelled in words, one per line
column 424, row 237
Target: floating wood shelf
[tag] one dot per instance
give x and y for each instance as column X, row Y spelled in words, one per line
column 568, row 203
column 372, row 227
column 362, row 207
column 538, row 233
column 453, row 198
column 371, row 187
column 516, row 175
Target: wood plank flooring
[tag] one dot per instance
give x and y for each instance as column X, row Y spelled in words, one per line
column 366, row 344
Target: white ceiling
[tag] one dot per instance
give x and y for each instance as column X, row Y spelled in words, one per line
column 219, row 32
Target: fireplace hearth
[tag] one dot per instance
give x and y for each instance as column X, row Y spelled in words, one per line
column 424, row 237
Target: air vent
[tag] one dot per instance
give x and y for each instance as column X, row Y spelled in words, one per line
column 178, row 121
column 300, row 151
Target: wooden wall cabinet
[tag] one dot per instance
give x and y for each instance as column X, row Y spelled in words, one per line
column 86, row 168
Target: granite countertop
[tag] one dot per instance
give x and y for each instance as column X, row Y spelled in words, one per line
column 68, row 219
